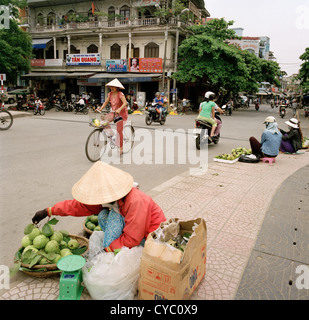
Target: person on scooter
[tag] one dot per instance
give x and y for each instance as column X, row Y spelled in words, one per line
column 207, row 112
column 270, row 141
column 80, row 104
column 291, row 140
column 159, row 101
column 37, row 103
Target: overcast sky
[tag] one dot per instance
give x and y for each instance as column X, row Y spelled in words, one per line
column 285, row 22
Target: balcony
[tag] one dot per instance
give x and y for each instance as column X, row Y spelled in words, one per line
column 106, row 25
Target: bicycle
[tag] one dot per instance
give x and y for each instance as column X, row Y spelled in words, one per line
column 6, row 119
column 103, row 133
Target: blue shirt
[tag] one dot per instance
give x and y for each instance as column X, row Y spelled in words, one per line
column 271, row 143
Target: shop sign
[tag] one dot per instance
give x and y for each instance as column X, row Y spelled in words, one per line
column 46, row 62
column 91, row 59
column 153, row 65
column 116, row 65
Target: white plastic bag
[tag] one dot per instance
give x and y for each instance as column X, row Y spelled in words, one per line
column 111, row 277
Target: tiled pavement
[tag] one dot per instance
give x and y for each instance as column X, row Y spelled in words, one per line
column 234, row 200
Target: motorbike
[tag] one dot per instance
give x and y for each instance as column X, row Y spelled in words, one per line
column 152, row 114
column 64, row 106
column 282, row 111
column 306, row 109
column 40, row 110
column 80, row 108
column 201, row 131
column 257, row 106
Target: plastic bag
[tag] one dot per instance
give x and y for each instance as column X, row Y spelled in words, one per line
column 108, row 276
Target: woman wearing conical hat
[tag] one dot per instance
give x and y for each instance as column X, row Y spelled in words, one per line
column 118, row 104
column 126, row 214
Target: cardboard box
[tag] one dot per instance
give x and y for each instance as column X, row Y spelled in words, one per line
column 167, row 273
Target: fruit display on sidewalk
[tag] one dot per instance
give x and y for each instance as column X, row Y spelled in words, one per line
column 41, row 249
column 233, row 156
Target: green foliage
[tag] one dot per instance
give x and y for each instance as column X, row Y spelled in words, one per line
column 15, row 47
column 207, row 58
column 303, row 75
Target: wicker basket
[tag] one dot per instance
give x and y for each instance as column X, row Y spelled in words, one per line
column 86, row 229
column 52, row 268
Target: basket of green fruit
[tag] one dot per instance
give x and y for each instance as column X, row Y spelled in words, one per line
column 233, row 157
column 92, row 224
column 41, row 249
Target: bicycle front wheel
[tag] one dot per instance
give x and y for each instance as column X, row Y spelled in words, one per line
column 95, row 145
column 6, row 120
column 128, row 138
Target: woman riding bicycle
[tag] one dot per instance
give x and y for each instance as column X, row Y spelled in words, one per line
column 118, row 104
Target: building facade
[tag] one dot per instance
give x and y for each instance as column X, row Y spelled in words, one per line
column 79, row 46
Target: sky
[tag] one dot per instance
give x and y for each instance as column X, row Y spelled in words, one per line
column 285, row 22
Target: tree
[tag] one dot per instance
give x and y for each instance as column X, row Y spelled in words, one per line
column 15, row 46
column 303, row 75
column 208, row 58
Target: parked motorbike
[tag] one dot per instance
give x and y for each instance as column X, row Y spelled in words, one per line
column 80, row 108
column 64, row 106
column 282, row 111
column 306, row 109
column 152, row 114
column 201, row 131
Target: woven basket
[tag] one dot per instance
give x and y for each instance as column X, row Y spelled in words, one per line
column 51, row 268
column 86, row 229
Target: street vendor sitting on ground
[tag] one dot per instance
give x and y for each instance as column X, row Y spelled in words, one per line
column 125, row 214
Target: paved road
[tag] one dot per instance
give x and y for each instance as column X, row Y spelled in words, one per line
column 43, row 156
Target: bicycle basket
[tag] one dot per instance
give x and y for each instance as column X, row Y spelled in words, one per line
column 97, row 119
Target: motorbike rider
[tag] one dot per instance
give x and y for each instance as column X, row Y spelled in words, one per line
column 80, row 104
column 282, row 107
column 37, row 103
column 159, row 102
column 207, row 112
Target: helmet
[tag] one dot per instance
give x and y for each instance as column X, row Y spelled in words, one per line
column 158, row 93
column 270, row 120
column 208, row 94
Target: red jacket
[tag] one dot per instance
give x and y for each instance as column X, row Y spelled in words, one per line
column 141, row 216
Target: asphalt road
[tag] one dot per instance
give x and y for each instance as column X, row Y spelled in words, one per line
column 43, row 156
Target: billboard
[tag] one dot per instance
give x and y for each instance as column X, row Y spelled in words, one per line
column 116, row 65
column 153, row 65
column 89, row 59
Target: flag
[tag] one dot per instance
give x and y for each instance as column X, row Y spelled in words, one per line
column 93, row 7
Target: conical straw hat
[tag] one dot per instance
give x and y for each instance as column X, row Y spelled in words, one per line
column 102, row 184
column 115, row 83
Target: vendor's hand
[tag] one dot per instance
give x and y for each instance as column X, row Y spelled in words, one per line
column 117, row 112
column 40, row 215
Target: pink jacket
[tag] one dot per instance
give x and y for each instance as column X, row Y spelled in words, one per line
column 142, row 216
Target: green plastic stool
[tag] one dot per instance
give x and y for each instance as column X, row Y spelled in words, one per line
column 70, row 285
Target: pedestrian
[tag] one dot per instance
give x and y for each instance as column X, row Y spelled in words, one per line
column 119, row 104
column 270, row 141
column 126, row 214
column 184, row 105
column 294, row 106
column 291, row 140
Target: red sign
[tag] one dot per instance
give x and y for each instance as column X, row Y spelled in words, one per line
column 153, row 65
column 37, row 62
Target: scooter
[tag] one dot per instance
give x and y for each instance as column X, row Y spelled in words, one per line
column 257, row 106
column 152, row 114
column 306, row 109
column 80, row 108
column 201, row 131
column 39, row 109
column 282, row 111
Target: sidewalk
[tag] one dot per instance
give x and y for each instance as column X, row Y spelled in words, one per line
column 234, row 201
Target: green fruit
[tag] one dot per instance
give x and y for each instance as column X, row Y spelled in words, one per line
column 58, row 257
column 65, row 252
column 94, row 219
column 63, row 245
column 90, row 225
column 29, row 228
column 44, row 261
column 73, row 244
column 52, row 246
column 40, row 241
column 47, row 230
column 34, row 233
column 97, row 228
column 25, row 241
column 58, row 236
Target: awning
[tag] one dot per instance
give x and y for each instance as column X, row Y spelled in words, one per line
column 45, row 75
column 40, row 43
column 79, row 74
column 125, row 77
